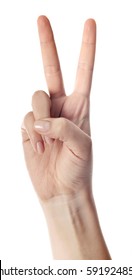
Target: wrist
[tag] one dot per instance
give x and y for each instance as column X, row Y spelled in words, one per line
column 64, row 208
column 74, row 227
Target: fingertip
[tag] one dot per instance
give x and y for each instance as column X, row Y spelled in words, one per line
column 44, row 29
column 89, row 35
column 40, row 96
column 90, row 23
column 42, row 20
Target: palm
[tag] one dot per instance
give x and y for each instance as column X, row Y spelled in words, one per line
column 52, row 172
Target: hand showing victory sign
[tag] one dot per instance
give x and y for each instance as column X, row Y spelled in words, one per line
column 56, row 134
column 58, row 152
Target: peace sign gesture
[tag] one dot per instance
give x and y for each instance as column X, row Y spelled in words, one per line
column 56, row 134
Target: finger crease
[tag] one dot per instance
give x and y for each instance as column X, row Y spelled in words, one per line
column 88, row 43
column 85, row 66
column 46, row 42
column 51, row 70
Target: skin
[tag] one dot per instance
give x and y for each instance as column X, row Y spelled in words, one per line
column 59, row 160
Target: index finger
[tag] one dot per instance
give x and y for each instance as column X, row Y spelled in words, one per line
column 86, row 59
column 50, row 58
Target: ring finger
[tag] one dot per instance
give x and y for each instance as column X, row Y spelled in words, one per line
column 29, row 134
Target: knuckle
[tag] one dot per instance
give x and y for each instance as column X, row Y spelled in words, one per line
column 27, row 118
column 52, row 69
column 63, row 123
column 24, row 136
column 85, row 66
column 62, row 126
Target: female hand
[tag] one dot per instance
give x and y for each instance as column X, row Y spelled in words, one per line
column 56, row 134
column 58, row 152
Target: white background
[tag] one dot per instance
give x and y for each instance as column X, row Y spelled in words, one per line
column 23, row 231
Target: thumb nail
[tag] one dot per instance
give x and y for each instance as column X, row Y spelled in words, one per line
column 42, row 126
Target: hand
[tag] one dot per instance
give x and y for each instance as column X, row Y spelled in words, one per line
column 58, row 152
column 59, row 160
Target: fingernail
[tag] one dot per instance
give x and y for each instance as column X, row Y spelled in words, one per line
column 42, row 126
column 40, row 147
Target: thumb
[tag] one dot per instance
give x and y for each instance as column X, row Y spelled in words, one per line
column 66, row 131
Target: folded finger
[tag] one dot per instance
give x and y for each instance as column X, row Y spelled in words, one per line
column 29, row 134
column 41, row 105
